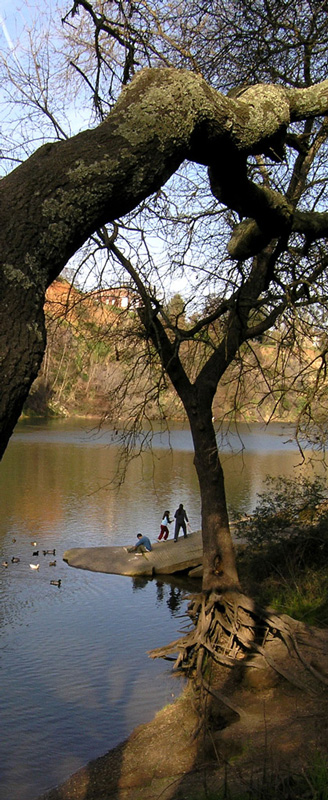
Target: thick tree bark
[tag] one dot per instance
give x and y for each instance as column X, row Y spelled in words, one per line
column 65, row 191
column 219, row 563
column 22, row 344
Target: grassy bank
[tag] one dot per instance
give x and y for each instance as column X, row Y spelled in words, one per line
column 284, row 577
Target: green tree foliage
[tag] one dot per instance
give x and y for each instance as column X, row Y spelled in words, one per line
column 286, row 503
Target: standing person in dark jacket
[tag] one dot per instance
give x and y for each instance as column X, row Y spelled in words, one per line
column 180, row 522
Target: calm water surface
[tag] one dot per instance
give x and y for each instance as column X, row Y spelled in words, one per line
column 75, row 675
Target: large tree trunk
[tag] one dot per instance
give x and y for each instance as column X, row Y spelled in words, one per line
column 22, row 344
column 219, row 564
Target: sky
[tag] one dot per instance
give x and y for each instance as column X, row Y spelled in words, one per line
column 13, row 15
column 17, row 16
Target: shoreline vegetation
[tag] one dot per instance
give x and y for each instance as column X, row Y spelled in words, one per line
column 267, row 736
column 91, row 350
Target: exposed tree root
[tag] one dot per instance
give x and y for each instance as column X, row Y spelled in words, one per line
column 227, row 629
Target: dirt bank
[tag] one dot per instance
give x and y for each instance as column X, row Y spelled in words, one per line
column 259, row 723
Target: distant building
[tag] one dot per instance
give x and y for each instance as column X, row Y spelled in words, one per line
column 62, row 296
column 119, row 298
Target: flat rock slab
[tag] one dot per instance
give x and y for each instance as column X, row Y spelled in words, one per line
column 166, row 558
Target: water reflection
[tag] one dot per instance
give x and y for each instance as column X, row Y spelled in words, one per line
column 75, row 675
column 139, row 582
column 175, row 591
column 172, row 590
column 174, row 599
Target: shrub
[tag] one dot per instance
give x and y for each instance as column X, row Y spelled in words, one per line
column 285, row 504
column 283, row 560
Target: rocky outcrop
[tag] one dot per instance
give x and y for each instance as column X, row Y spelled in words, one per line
column 166, row 558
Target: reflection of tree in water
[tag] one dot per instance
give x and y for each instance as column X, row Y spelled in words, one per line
column 139, row 582
column 173, row 594
column 159, row 591
column 175, row 598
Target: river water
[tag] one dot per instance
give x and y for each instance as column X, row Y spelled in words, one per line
column 75, row 675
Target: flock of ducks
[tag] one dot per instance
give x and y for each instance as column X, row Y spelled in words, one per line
column 16, row 560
